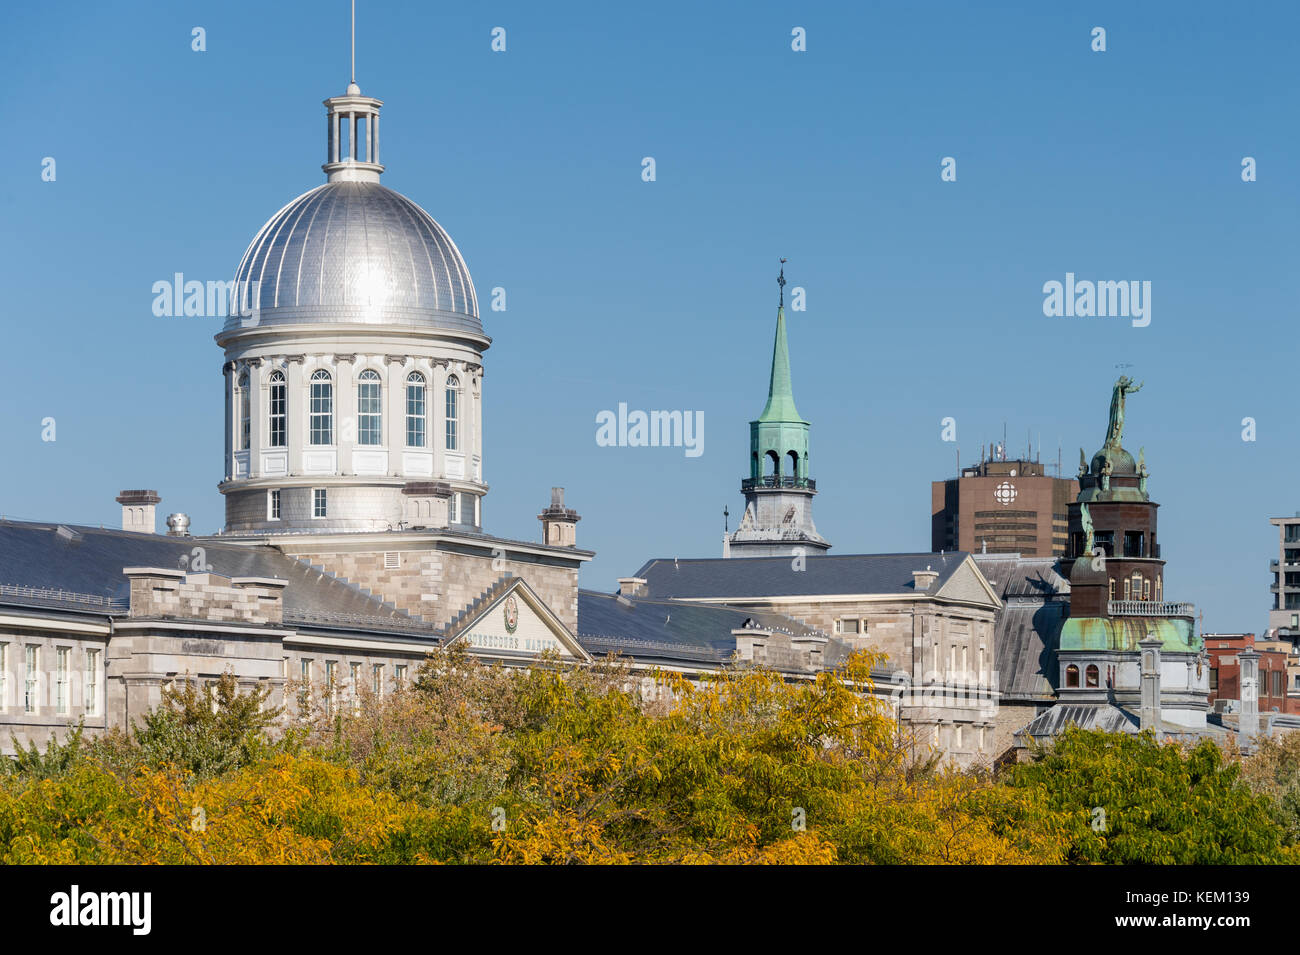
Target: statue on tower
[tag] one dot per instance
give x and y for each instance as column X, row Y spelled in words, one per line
column 1115, row 428
column 1085, row 517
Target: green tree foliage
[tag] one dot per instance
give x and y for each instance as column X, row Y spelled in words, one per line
column 1131, row 800
column 1273, row 770
column 560, row 764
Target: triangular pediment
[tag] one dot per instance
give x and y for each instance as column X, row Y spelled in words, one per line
column 516, row 624
column 968, row 584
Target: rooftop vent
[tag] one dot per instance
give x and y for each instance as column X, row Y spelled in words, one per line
column 178, row 525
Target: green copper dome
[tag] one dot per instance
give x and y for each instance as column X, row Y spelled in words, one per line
column 1124, row 633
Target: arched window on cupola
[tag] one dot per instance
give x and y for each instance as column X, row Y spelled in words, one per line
column 243, row 404
column 453, row 413
column 772, row 465
column 796, row 471
column 1092, row 676
column 322, row 407
column 277, row 429
column 415, row 413
column 1072, row 675
column 1137, row 585
column 370, row 405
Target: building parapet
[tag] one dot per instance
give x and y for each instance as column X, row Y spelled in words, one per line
column 1149, row 608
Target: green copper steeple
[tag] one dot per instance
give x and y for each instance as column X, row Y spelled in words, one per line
column 778, row 493
column 778, row 440
column 780, row 393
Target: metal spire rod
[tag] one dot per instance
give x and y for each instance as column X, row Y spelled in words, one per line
column 354, row 41
column 780, row 281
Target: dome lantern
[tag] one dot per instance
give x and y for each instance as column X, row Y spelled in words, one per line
column 356, row 117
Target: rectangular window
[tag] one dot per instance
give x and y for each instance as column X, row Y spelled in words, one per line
column 319, row 502
column 322, row 408
column 848, row 626
column 377, row 679
column 453, row 509
column 279, row 411
column 1133, row 543
column 1214, row 679
column 453, row 420
column 304, row 692
column 1278, row 688
column 61, row 680
column 1146, row 589
column 243, row 398
column 399, row 674
column 1106, row 541
column 356, row 688
column 369, row 409
column 30, row 681
column 331, row 687
column 273, row 505
column 415, row 411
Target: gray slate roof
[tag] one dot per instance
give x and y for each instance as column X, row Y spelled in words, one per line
column 80, row 568
column 1035, row 600
column 1105, row 717
column 738, row 578
column 651, row 630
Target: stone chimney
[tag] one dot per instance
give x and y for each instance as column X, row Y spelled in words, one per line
column 631, row 586
column 924, row 579
column 1248, row 723
column 138, row 511
column 559, row 523
column 1149, row 711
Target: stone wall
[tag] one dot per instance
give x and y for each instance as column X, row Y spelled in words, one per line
column 159, row 592
column 438, row 584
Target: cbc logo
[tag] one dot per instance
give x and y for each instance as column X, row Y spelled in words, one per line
column 1005, row 493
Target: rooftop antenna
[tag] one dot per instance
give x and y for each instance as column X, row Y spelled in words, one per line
column 354, row 42
column 780, row 279
column 725, row 517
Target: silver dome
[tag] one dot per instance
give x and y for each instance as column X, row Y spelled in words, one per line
column 357, row 252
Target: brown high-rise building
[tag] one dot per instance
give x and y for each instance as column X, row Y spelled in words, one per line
column 1002, row 507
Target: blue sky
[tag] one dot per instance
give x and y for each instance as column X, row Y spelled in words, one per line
column 924, row 297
